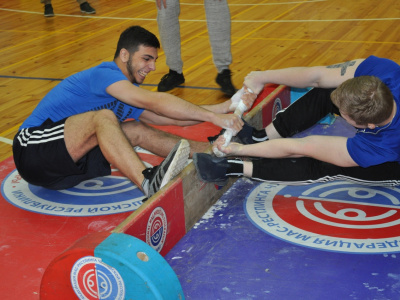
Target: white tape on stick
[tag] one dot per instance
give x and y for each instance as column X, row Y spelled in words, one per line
column 240, row 109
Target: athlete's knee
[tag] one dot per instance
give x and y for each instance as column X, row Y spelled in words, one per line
column 132, row 126
column 104, row 116
column 135, row 131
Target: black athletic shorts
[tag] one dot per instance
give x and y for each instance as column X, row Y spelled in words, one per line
column 305, row 112
column 42, row 159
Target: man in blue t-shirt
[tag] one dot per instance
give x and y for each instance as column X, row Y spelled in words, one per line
column 78, row 128
column 365, row 92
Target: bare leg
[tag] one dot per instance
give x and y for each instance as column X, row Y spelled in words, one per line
column 85, row 131
column 156, row 141
column 271, row 132
column 248, row 169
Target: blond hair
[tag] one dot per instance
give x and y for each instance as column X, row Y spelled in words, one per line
column 365, row 99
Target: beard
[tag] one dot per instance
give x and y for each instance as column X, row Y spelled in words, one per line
column 130, row 69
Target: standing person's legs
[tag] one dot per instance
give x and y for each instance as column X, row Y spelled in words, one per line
column 219, row 31
column 170, row 35
column 85, row 7
column 48, row 8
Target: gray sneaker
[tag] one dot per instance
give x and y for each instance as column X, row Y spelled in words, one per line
column 171, row 166
column 210, row 168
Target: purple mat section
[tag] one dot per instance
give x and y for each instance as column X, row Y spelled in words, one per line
column 331, row 125
column 225, row 256
column 328, row 241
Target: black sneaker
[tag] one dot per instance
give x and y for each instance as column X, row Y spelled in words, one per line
column 170, row 81
column 210, row 168
column 87, row 9
column 48, row 10
column 244, row 136
column 213, row 138
column 225, row 82
column 170, row 167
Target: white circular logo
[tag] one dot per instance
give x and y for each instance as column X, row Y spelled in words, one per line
column 157, row 229
column 99, row 196
column 337, row 216
column 92, row 279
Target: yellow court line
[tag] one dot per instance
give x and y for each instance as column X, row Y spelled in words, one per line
column 209, row 56
column 319, row 40
column 16, row 127
column 203, row 20
column 31, row 40
column 37, row 38
column 63, row 30
column 9, row 130
column 249, row 4
column 265, row 23
column 56, row 48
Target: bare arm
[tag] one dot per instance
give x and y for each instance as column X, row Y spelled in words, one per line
column 220, row 108
column 169, row 106
column 301, row 77
column 230, row 105
column 330, row 149
column 152, row 118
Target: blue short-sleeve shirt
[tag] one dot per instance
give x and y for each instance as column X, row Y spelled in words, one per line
column 82, row 92
column 382, row 144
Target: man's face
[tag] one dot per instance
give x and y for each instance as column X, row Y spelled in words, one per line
column 141, row 63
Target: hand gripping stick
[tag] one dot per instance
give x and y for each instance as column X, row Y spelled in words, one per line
column 240, row 109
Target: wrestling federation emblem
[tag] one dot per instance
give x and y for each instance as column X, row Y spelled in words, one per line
column 92, row 279
column 277, row 107
column 98, row 196
column 336, row 216
column 157, row 229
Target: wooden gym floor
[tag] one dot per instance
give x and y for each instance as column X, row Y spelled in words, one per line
column 37, row 52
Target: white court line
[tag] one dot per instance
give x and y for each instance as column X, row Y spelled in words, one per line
column 186, row 20
column 5, row 140
column 253, row 4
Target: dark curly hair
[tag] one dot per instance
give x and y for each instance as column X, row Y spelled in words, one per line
column 134, row 36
